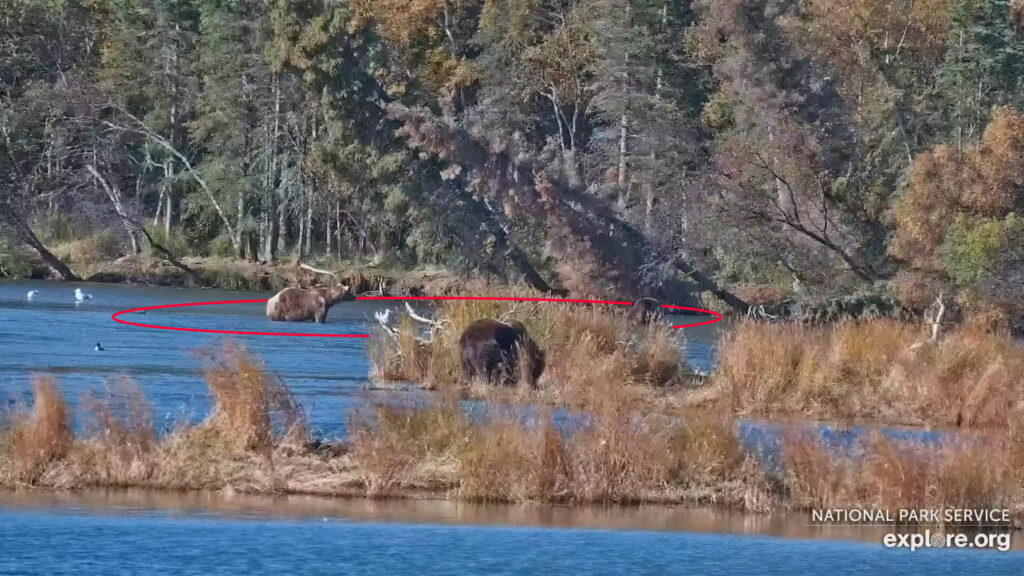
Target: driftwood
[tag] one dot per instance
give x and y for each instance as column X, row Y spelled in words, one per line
column 316, row 270
column 384, row 319
column 760, row 313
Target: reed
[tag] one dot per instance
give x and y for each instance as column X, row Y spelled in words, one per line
column 401, row 446
column 253, row 409
column 254, row 421
column 38, row 438
column 881, row 370
column 975, row 473
column 591, row 351
column 254, row 441
column 511, row 456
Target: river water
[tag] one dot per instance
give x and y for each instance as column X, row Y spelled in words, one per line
column 56, row 534
column 54, row 335
column 140, row 533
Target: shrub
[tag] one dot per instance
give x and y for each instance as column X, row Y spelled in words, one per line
column 972, row 248
column 100, row 247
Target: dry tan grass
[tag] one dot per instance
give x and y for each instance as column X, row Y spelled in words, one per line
column 400, row 446
column 506, row 461
column 38, row 438
column 620, row 454
column 877, row 370
column 618, row 457
column 591, row 351
column 254, row 423
column 253, row 410
column 971, row 473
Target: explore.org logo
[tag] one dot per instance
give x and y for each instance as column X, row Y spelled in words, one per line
column 998, row 541
column 948, row 527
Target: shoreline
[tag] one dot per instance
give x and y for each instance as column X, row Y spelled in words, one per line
column 247, row 275
column 439, row 509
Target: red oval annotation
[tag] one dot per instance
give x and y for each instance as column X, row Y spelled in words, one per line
column 115, row 318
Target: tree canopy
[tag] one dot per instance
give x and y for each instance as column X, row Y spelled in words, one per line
column 612, row 147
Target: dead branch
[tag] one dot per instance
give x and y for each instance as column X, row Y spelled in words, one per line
column 421, row 319
column 114, row 194
column 142, row 129
column 511, row 313
column 938, row 310
column 134, row 225
column 384, row 319
column 316, row 270
column 760, row 313
column 933, row 316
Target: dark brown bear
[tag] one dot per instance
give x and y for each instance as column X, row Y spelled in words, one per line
column 645, row 310
column 300, row 305
column 491, row 348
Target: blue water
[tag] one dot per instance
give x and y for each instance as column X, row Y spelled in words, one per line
column 764, row 439
column 327, row 375
column 73, row 541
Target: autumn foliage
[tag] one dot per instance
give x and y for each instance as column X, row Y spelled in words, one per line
column 961, row 208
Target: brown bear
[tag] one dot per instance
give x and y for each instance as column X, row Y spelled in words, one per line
column 645, row 310
column 300, row 304
column 491, row 348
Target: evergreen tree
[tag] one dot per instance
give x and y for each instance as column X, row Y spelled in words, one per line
column 984, row 66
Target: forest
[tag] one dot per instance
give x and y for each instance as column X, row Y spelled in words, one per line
column 757, row 150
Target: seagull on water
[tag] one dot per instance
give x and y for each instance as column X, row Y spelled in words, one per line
column 99, row 347
column 81, row 296
column 31, row 295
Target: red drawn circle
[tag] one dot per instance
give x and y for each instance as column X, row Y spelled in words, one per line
column 717, row 316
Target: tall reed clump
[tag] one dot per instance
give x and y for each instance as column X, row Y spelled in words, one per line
column 507, row 460
column 253, row 411
column 119, row 443
column 35, row 439
column 588, row 348
column 255, row 425
column 408, row 446
column 976, row 473
column 513, row 455
column 879, row 370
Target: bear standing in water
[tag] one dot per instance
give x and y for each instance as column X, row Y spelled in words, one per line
column 300, row 305
column 645, row 310
column 491, row 348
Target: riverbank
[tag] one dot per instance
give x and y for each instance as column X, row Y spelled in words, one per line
column 235, row 274
column 255, row 441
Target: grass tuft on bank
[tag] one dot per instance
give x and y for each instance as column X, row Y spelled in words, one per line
column 978, row 472
column 882, row 370
column 505, row 456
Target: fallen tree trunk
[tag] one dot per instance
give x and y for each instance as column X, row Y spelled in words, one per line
column 23, row 232
column 132, row 225
column 598, row 252
column 709, row 285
